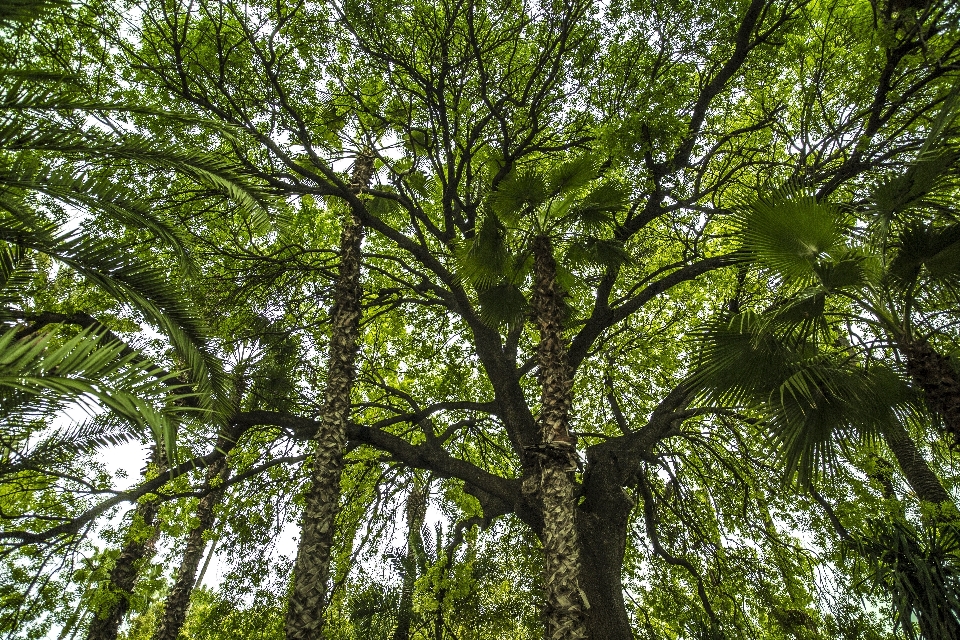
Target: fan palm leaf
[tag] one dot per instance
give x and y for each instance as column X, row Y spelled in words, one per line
column 812, row 400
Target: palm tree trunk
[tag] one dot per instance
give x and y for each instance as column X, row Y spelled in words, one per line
column 935, row 374
column 565, row 606
column 139, row 548
column 915, row 469
column 309, row 595
column 416, row 512
column 175, row 608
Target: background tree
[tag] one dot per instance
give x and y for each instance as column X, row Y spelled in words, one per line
column 697, row 107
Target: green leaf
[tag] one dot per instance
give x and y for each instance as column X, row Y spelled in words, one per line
column 48, row 373
column 922, row 248
column 572, row 174
column 600, row 204
column 597, row 252
column 520, row 192
column 485, row 259
column 789, row 233
column 503, row 304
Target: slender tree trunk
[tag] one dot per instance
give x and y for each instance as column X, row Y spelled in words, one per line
column 308, row 598
column 175, row 608
column 139, row 548
column 915, row 469
column 935, row 374
column 565, row 606
column 416, row 512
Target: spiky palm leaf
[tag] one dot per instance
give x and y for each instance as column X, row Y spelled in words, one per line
column 32, row 127
column 927, row 182
column 40, row 373
column 920, row 570
column 926, row 252
column 570, row 202
column 29, row 450
column 118, row 270
column 812, row 400
column 51, row 154
column 790, row 233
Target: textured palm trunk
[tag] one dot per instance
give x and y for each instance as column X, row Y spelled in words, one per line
column 915, row 469
column 308, row 597
column 141, row 543
column 175, row 608
column 940, row 382
column 416, row 512
column 564, row 601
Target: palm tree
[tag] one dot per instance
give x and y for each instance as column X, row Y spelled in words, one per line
column 139, row 547
column 44, row 160
column 879, row 274
column 51, row 160
column 812, row 398
column 304, row 618
column 413, row 559
column 855, row 297
column 185, row 579
column 527, row 217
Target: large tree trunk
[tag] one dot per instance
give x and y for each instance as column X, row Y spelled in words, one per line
column 603, row 521
column 416, row 512
column 915, row 469
column 564, row 606
column 308, row 598
column 175, row 609
column 935, row 374
column 141, row 542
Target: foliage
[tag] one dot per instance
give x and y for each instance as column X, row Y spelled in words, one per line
column 753, row 210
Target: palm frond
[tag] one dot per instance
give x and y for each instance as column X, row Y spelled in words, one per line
column 92, row 193
column 919, row 569
column 120, row 273
column 502, row 304
column 926, row 250
column 597, row 208
column 789, row 232
column 811, row 398
column 485, row 259
column 519, row 193
column 206, row 168
column 602, row 252
column 82, row 437
column 572, row 174
column 83, row 369
column 16, row 271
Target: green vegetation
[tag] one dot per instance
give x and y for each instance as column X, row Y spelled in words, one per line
column 480, row 319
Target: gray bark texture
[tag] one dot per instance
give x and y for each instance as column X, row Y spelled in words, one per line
column 308, row 598
column 914, row 467
column 565, row 605
column 175, row 608
column 936, row 375
column 416, row 513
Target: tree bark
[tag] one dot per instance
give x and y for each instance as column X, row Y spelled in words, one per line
column 935, row 374
column 556, row 457
column 139, row 548
column 304, row 618
column 175, row 608
column 602, row 519
column 915, row 469
column 416, row 512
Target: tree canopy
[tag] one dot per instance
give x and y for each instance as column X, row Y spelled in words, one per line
column 480, row 319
